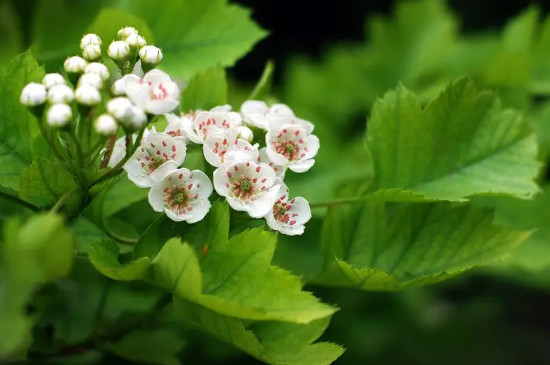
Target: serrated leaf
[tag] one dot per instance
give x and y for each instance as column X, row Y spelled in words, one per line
column 17, row 125
column 104, row 256
column 275, row 343
column 462, row 144
column 45, row 182
column 205, row 91
column 151, row 346
column 28, row 261
column 390, row 246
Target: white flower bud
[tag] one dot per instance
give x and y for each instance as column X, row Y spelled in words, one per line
column 90, row 39
column 119, row 87
column 50, row 80
column 120, row 108
column 118, row 50
column 151, row 55
column 91, row 52
column 87, row 95
column 98, row 69
column 123, row 33
column 59, row 115
column 138, row 119
column 135, row 40
column 33, row 94
column 90, row 79
column 60, row 94
column 105, row 125
column 75, row 64
column 245, row 133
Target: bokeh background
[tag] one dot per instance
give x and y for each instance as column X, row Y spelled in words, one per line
column 324, row 54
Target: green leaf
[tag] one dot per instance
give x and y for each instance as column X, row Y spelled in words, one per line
column 45, row 182
column 33, row 253
column 205, row 91
column 272, row 342
column 462, row 144
column 151, row 346
column 390, row 246
column 17, row 126
column 196, row 35
column 12, row 39
column 104, row 256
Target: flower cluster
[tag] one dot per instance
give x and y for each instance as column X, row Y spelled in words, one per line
column 248, row 167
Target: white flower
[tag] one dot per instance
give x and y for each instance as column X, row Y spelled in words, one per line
column 157, row 155
column 98, row 69
column 88, row 39
column 258, row 114
column 291, row 145
column 118, row 50
column 60, row 94
column 91, row 52
column 75, row 64
column 213, row 122
column 90, row 79
column 217, row 146
column 123, row 33
column 263, row 158
column 182, row 195
column 247, row 186
column 135, row 40
column 288, row 216
column 155, row 93
column 151, row 55
column 87, row 95
column 105, row 125
column 118, row 87
column 59, row 115
column 177, row 124
column 33, row 94
column 50, row 80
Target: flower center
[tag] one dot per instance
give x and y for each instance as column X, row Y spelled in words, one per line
column 180, row 197
column 243, row 188
column 159, row 93
column 289, row 149
column 280, row 212
column 155, row 162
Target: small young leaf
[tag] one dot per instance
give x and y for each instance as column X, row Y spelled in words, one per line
column 104, row 256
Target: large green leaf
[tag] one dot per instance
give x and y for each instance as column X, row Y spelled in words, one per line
column 462, row 144
column 233, row 277
column 389, row 246
column 17, row 125
column 205, row 91
column 34, row 253
column 272, row 342
column 46, row 181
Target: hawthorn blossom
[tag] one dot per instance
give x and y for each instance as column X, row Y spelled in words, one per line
column 183, row 195
column 288, row 216
column 247, row 186
column 217, row 146
column 59, row 115
column 52, row 79
column 157, row 155
column 106, row 125
column 216, row 121
column 258, row 114
column 130, row 116
column 279, row 170
column 118, row 50
column 33, row 94
column 291, row 145
column 60, row 94
column 151, row 55
column 155, row 93
column 177, row 124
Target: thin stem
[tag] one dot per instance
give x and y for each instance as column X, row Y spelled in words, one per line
column 108, row 153
column 50, row 140
column 57, row 207
column 331, row 203
column 79, row 154
column 19, row 201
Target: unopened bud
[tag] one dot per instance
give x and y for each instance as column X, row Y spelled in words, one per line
column 98, row 69
column 91, row 52
column 59, row 115
column 90, row 79
column 87, row 95
column 151, row 55
column 33, row 94
column 135, row 40
column 90, row 39
column 245, row 133
column 50, row 80
column 75, row 64
column 119, row 87
column 123, row 33
column 118, row 50
column 60, row 94
column 105, row 125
